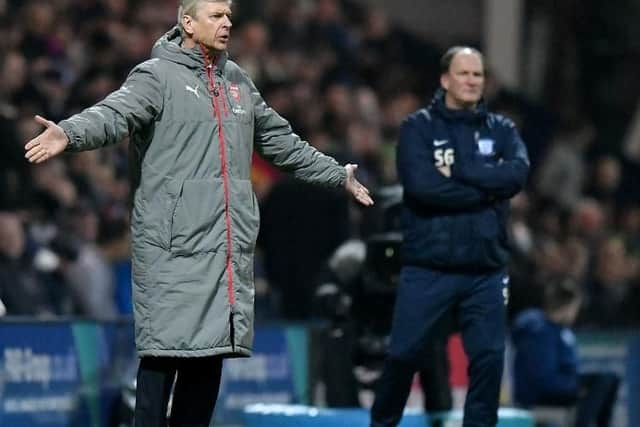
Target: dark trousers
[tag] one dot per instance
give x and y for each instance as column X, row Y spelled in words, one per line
column 434, row 366
column 424, row 296
column 195, row 383
column 596, row 397
column 597, row 394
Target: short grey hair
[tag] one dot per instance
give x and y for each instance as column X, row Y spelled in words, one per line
column 447, row 58
column 190, row 7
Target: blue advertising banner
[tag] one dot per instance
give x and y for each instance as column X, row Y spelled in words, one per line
column 617, row 353
column 69, row 374
column 276, row 373
column 633, row 382
column 60, row 373
column 40, row 376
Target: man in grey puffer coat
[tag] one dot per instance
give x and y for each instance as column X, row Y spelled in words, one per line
column 194, row 118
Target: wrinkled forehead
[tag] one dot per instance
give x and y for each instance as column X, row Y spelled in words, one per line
column 467, row 59
column 191, row 7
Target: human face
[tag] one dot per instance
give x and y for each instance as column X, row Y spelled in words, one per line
column 464, row 81
column 211, row 25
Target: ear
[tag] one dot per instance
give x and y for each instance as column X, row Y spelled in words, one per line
column 187, row 24
column 444, row 81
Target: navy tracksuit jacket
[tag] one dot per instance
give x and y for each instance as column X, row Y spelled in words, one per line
column 458, row 223
column 454, row 249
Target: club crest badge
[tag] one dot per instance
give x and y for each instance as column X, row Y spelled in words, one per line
column 486, row 146
column 234, row 91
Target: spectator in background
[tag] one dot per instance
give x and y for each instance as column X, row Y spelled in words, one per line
column 522, row 293
column 113, row 242
column 630, row 229
column 252, row 50
column 536, row 123
column 546, row 369
column 562, row 176
column 589, row 222
column 604, row 185
column 89, row 278
column 21, row 288
column 389, row 48
column 614, row 298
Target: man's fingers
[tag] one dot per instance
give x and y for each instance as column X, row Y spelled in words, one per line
column 359, row 191
column 360, row 187
column 30, row 154
column 44, row 122
column 363, row 189
column 40, row 157
column 361, row 194
column 36, row 154
column 365, row 199
column 33, row 143
column 32, row 147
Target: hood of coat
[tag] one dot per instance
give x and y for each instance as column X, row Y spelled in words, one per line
column 169, row 47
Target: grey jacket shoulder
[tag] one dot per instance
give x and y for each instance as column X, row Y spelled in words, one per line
column 151, row 64
column 232, row 69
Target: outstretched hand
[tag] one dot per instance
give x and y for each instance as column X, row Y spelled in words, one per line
column 48, row 144
column 354, row 187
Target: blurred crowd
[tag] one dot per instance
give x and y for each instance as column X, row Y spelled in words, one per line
column 345, row 77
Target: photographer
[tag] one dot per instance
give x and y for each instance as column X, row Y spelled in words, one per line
column 356, row 293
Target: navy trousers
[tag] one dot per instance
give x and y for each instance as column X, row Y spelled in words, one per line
column 424, row 295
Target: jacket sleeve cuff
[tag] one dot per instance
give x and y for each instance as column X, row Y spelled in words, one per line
column 342, row 176
column 73, row 138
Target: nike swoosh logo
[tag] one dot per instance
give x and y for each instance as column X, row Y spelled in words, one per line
column 439, row 142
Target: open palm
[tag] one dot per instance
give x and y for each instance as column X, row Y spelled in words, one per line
column 48, row 144
column 353, row 186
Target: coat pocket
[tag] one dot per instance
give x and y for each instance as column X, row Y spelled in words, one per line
column 245, row 215
column 198, row 222
column 157, row 212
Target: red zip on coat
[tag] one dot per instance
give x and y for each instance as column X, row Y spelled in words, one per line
column 225, row 173
column 224, row 99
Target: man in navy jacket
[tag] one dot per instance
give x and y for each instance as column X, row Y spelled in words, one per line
column 459, row 166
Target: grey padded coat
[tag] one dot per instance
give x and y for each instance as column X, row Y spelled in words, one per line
column 194, row 123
